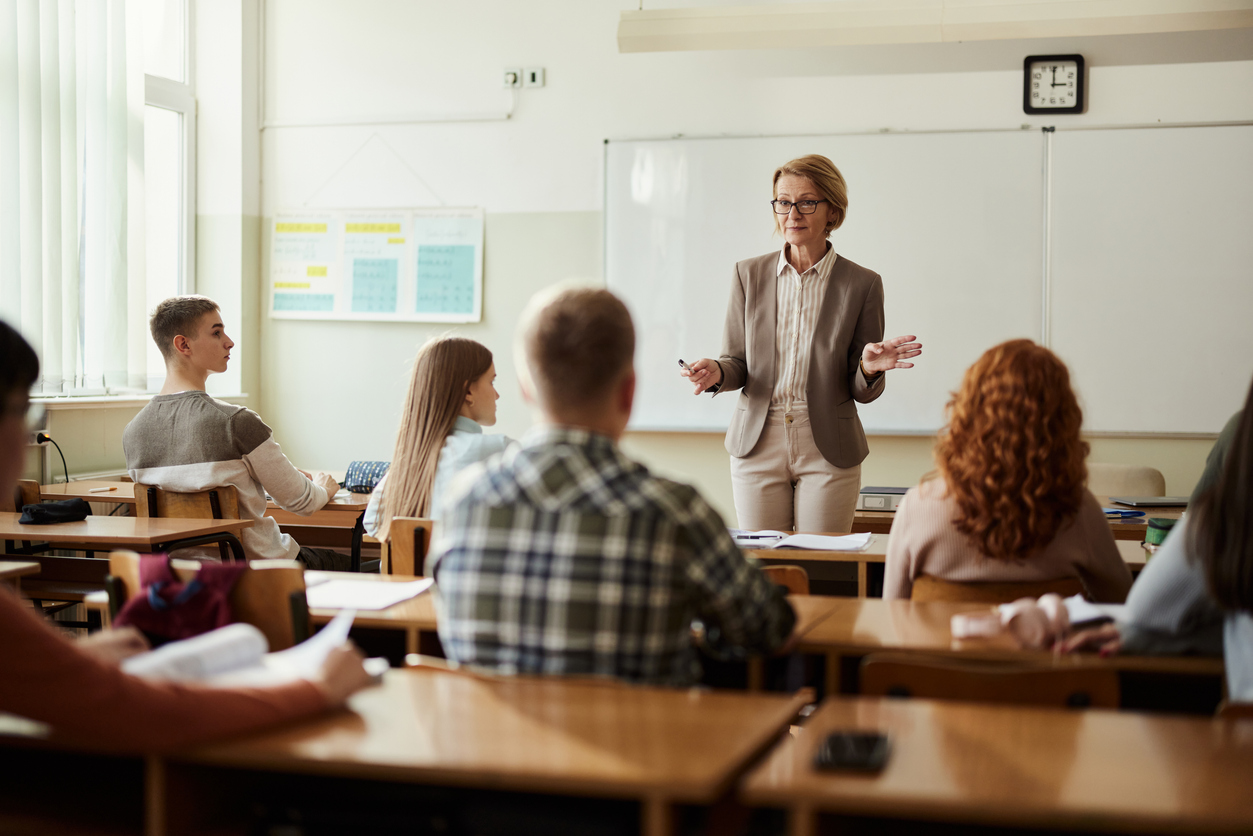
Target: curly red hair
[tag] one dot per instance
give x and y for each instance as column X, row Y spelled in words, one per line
column 1011, row 454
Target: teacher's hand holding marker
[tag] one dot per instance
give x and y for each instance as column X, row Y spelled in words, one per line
column 803, row 340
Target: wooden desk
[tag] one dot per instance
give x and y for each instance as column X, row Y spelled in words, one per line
column 412, row 617
column 856, row 627
column 1020, row 767
column 1132, row 552
column 417, row 615
column 123, row 493
column 875, row 552
column 12, row 572
column 880, row 522
column 98, row 533
column 556, row 737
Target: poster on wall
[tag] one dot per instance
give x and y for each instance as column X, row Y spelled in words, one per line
column 405, row 265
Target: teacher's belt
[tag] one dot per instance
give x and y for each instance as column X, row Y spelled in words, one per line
column 797, row 413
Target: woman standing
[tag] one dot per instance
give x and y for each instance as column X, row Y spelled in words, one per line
column 804, row 341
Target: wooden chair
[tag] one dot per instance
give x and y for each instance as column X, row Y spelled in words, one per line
column 408, row 540
column 63, row 582
column 210, row 504
column 1125, row 480
column 928, row 588
column 795, row 578
column 900, row 675
column 270, row 594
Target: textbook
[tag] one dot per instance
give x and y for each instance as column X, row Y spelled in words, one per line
column 236, row 655
column 811, row 542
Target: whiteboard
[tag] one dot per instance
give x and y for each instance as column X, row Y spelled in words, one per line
column 1151, row 278
column 423, row 265
column 953, row 222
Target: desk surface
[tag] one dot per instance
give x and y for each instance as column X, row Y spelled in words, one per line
column 1131, row 529
column 116, row 532
column 10, row 569
column 527, row 734
column 857, row 626
column 124, row 493
column 419, row 613
column 1023, row 767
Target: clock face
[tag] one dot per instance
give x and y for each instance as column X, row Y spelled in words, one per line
column 1054, row 85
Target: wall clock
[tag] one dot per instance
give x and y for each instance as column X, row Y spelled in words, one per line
column 1053, row 84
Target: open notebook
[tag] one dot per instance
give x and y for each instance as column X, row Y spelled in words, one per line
column 812, row 542
column 236, row 655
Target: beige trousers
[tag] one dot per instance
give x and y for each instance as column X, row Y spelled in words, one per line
column 786, row 484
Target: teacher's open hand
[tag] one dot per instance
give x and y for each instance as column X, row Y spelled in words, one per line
column 704, row 374
column 889, row 354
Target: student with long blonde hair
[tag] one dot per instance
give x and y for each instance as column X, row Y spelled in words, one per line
column 451, row 398
column 1009, row 501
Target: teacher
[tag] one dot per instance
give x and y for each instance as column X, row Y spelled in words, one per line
column 804, row 341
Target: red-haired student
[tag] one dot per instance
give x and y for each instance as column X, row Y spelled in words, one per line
column 1008, row 500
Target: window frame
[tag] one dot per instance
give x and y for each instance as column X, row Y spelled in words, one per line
column 180, row 97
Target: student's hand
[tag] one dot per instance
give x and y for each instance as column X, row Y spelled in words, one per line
column 1105, row 639
column 890, row 354
column 342, row 674
column 326, row 482
column 112, row 646
column 704, row 373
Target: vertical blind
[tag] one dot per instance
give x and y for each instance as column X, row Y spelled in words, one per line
column 71, row 190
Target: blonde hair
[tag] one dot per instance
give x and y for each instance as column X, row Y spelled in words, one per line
column 178, row 315
column 442, row 374
column 826, row 179
column 576, row 342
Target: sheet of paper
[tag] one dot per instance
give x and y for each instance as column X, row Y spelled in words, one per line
column 227, row 648
column 374, row 249
column 449, row 264
column 1081, row 611
column 823, row 542
column 304, row 264
column 364, row 595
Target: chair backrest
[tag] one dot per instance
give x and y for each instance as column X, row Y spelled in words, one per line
column 1125, row 480
column 891, row 675
column 795, row 578
column 209, row 504
column 928, row 588
column 263, row 596
column 408, row 540
column 25, row 492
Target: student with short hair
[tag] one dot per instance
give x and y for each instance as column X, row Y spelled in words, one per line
column 1009, row 502
column 452, row 396
column 185, row 440
column 563, row 556
column 78, row 688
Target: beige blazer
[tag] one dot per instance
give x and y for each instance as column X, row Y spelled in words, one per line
column 851, row 316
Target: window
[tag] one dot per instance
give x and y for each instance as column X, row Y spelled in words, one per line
column 97, row 184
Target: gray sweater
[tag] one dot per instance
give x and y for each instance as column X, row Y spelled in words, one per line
column 1169, row 610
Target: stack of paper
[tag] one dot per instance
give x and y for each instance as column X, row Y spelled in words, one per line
column 363, row 594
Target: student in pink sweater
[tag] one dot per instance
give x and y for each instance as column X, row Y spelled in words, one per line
column 78, row 688
column 1008, row 501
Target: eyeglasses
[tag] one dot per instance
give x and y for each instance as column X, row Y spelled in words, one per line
column 805, row 207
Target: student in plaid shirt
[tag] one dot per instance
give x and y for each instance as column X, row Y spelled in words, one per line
column 563, row 556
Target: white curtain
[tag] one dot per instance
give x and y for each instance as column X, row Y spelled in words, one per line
column 71, row 185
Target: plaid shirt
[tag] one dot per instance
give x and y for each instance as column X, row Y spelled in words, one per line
column 563, row 556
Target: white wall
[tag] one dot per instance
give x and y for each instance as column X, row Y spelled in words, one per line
column 332, row 390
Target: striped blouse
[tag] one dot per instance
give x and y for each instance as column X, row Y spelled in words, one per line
column 798, row 298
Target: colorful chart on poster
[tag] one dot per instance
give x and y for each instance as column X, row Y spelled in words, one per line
column 423, row 265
